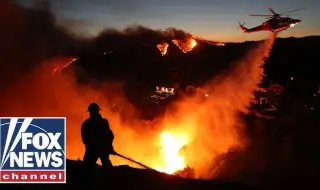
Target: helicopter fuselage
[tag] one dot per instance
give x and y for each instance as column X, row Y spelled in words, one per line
column 276, row 24
column 280, row 23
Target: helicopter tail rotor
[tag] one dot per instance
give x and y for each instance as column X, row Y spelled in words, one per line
column 242, row 28
column 242, row 24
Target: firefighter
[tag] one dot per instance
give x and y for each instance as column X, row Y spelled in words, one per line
column 97, row 138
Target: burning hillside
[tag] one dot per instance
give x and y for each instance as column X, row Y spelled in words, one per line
column 163, row 48
column 185, row 45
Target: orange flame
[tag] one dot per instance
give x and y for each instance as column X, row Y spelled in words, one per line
column 171, row 144
column 220, row 44
column 185, row 45
column 163, row 48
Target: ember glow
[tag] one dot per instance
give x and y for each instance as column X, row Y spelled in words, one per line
column 60, row 65
column 220, row 44
column 163, row 48
column 185, row 45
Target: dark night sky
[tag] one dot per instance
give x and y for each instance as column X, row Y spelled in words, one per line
column 211, row 19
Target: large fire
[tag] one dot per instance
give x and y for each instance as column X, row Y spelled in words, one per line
column 185, row 45
column 192, row 134
column 171, row 145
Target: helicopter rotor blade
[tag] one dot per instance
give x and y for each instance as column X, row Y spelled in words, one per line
column 271, row 17
column 289, row 15
column 292, row 11
column 271, row 10
column 261, row 15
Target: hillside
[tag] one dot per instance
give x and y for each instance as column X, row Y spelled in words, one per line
column 125, row 177
column 290, row 57
column 295, row 57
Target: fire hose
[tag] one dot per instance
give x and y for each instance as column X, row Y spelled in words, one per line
column 136, row 162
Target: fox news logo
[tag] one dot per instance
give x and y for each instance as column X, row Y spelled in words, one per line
column 32, row 150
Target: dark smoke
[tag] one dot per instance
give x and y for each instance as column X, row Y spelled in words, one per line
column 136, row 35
column 31, row 35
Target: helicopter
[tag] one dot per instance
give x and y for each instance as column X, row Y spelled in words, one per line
column 275, row 22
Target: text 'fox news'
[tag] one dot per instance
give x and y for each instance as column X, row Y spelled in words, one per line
column 32, row 150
